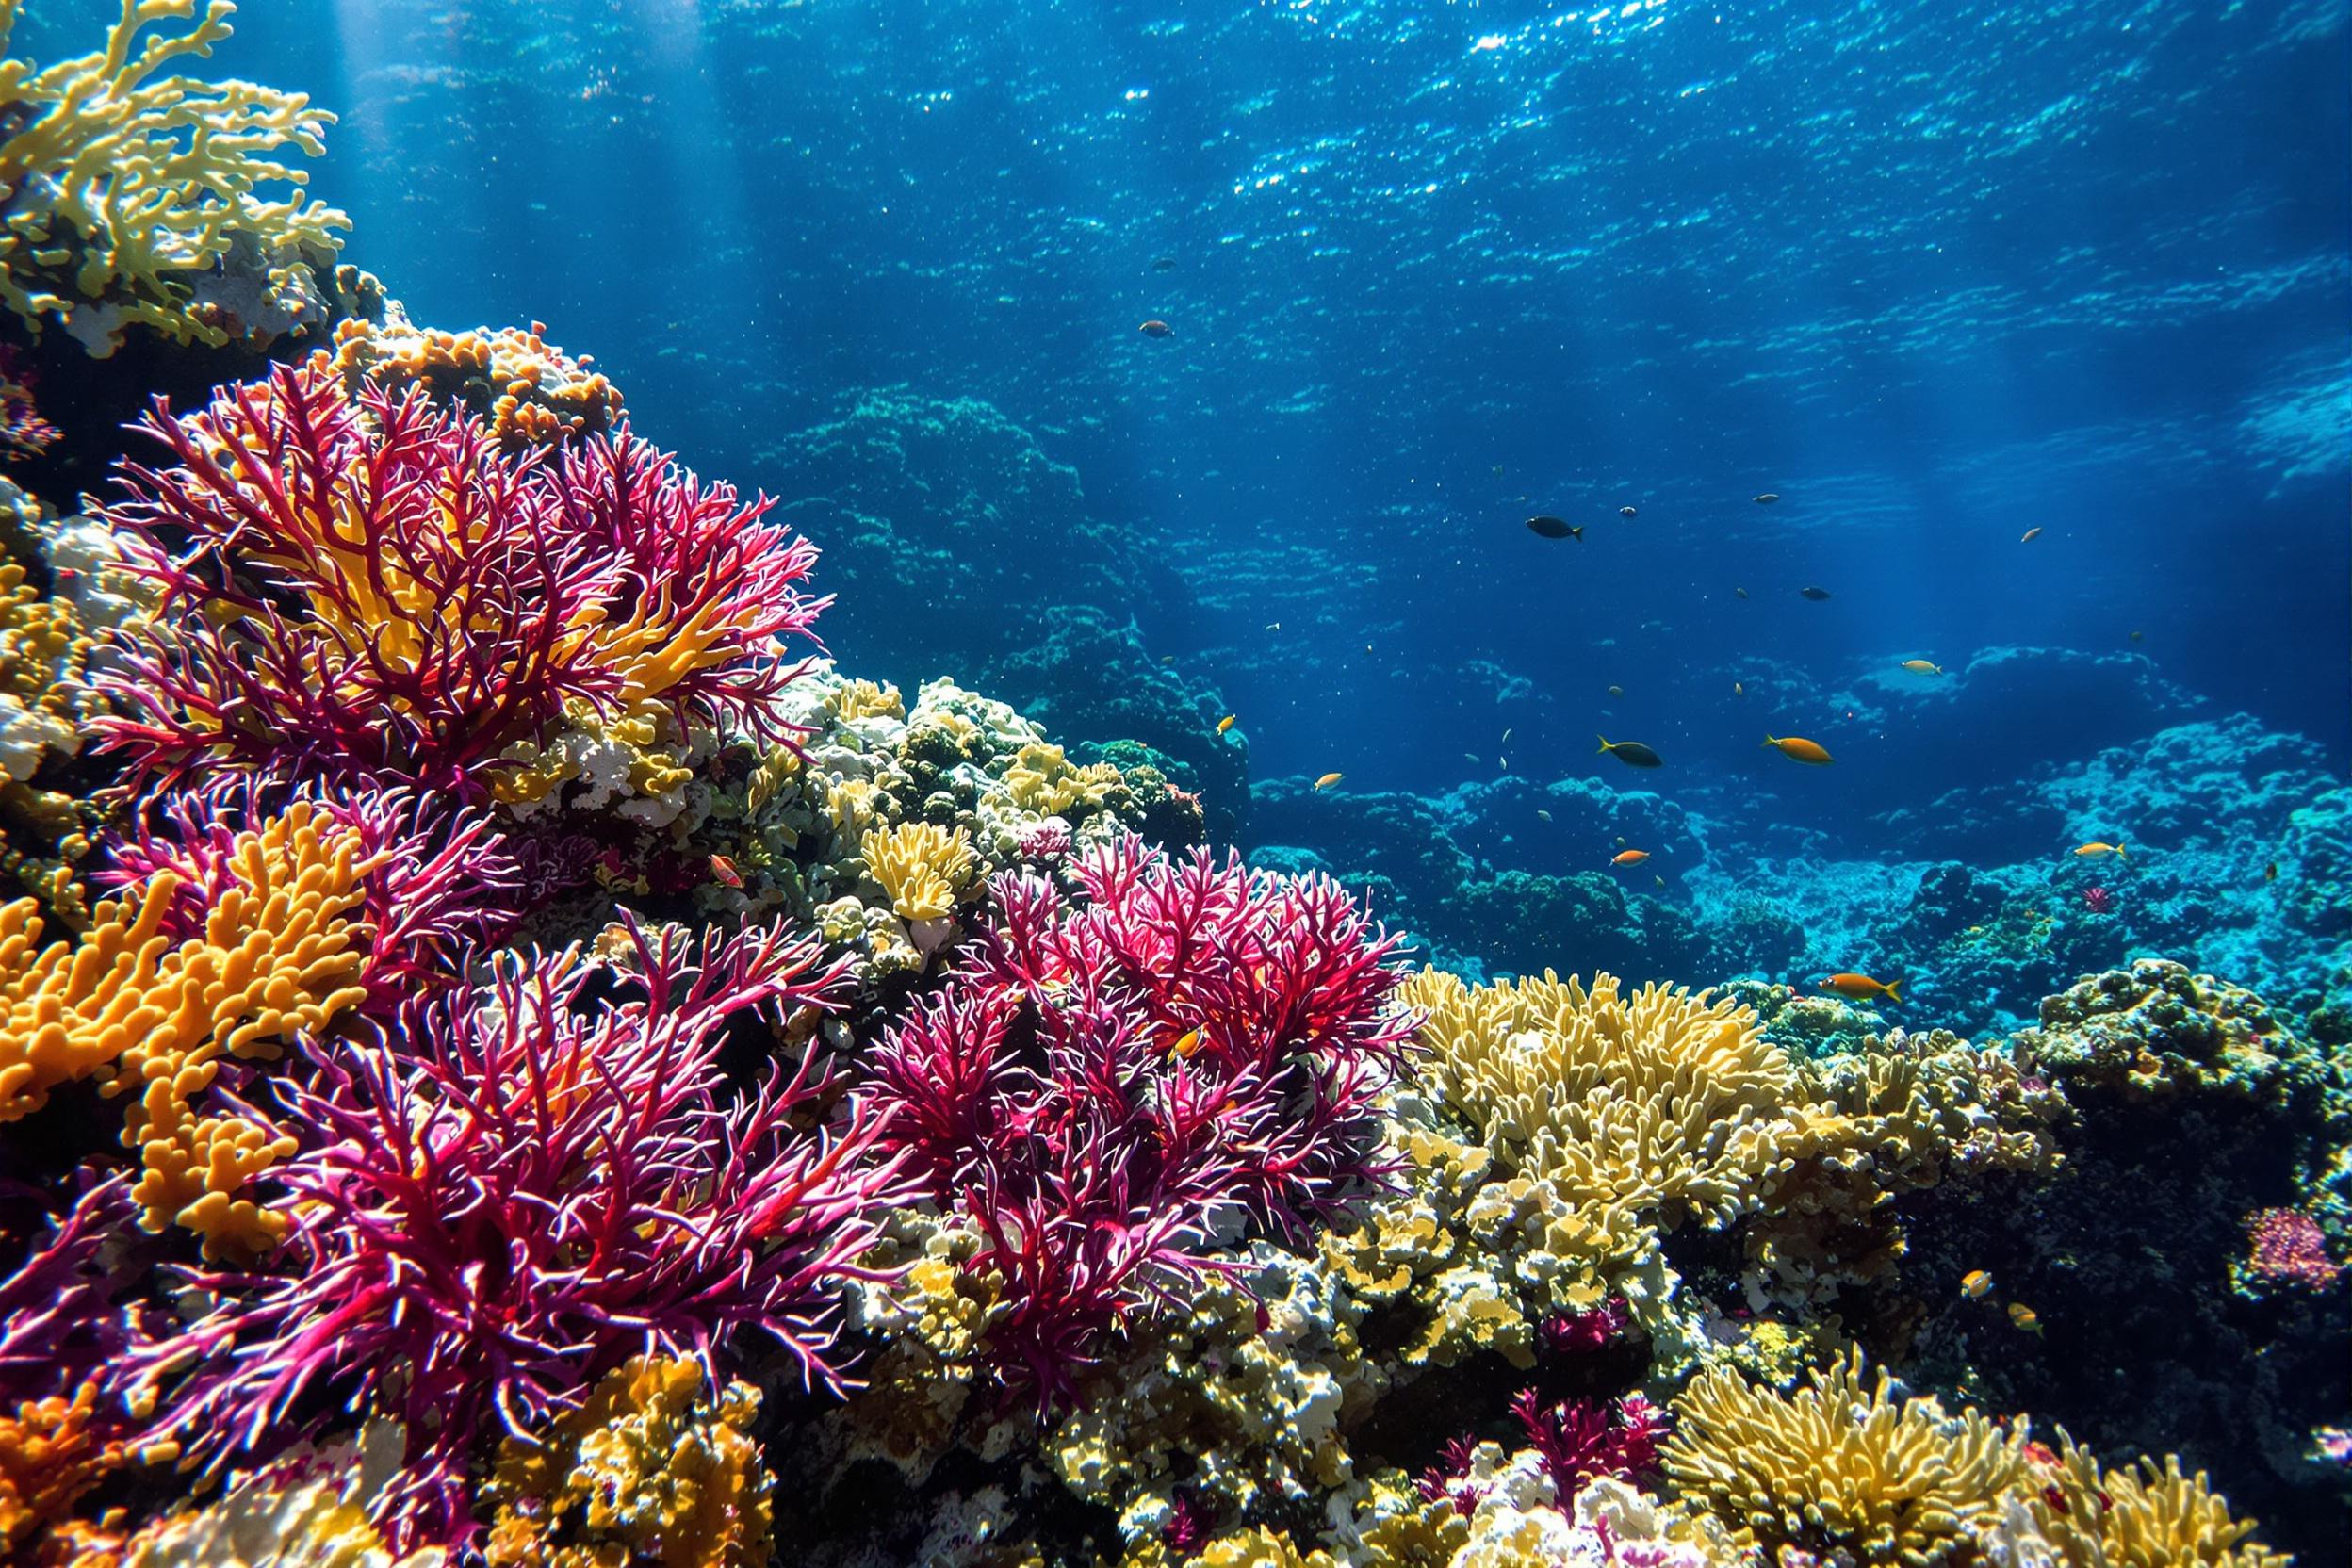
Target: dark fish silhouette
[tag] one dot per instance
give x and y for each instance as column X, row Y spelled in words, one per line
column 1816, row 594
column 1555, row 528
column 1632, row 753
column 1155, row 328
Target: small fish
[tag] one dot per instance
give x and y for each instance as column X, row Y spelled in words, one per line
column 1816, row 594
column 1155, row 328
column 1168, row 659
column 2030, row 534
column 1974, row 1283
column 1738, row 689
column 1659, row 881
column 1506, row 740
column 2025, row 1317
column 2139, row 636
column 723, row 869
column 1472, row 757
column 1768, row 498
column 1163, row 263
column 2094, row 849
column 1616, row 691
column 2270, row 872
column 1632, row 753
column 1628, row 856
column 1859, row 987
column 1799, row 749
column 1625, row 512
column 1920, row 666
column 1499, row 471
column 1742, row 592
column 1540, row 813
column 1549, row 526
column 1273, row 626
column 1226, row 723
column 1186, row 1045
column 1329, row 779
column 1619, row 841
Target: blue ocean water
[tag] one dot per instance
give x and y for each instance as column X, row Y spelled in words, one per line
column 1935, row 275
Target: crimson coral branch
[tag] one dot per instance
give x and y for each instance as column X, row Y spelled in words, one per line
column 369, row 584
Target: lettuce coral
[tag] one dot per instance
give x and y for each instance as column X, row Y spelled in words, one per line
column 132, row 195
column 374, row 586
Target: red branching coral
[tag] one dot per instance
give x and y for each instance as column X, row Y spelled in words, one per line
column 1584, row 1334
column 539, row 1183
column 22, row 432
column 1580, row 1438
column 371, row 583
column 2287, row 1246
column 2100, row 899
column 437, row 882
column 1103, row 1089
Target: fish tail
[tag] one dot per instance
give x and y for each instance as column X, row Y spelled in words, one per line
column 2120, row 852
column 1772, row 739
column 1604, row 743
column 1894, row 990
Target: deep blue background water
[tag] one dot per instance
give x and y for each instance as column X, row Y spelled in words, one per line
column 1934, row 273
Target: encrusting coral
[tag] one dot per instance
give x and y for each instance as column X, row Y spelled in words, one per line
column 531, row 393
column 649, row 1467
column 132, row 195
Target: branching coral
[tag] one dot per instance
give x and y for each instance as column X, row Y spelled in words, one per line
column 532, row 1188
column 531, row 392
column 373, row 585
column 922, row 868
column 125, row 187
column 2143, row 1515
column 1105, row 1085
column 1842, row 1466
column 649, row 1467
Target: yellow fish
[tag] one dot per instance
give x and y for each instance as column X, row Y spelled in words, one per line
column 1860, row 985
column 1186, row 1045
column 1226, row 723
column 1920, row 666
column 1628, row 856
column 2025, row 1317
column 1974, row 1283
column 1798, row 747
column 1329, row 779
column 2095, row 848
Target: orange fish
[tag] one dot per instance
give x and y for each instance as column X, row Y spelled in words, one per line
column 1226, row 723
column 2025, row 1317
column 1628, row 856
column 1155, row 328
column 723, row 869
column 1861, row 986
column 2094, row 849
column 1186, row 1045
column 1329, row 779
column 1799, row 749
column 1975, row 1282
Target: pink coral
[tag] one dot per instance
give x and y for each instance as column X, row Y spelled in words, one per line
column 1580, row 1438
column 369, row 583
column 1105, row 1087
column 2099, row 900
column 531, row 1186
column 2287, row 1245
column 1582, row 1333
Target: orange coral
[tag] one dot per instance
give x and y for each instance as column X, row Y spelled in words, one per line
column 51, row 1451
column 532, row 393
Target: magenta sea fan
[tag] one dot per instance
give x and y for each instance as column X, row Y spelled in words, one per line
column 1108, row 1087
column 368, row 583
column 539, row 1183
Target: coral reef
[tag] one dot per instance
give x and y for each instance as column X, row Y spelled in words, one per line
column 133, row 193
column 528, row 392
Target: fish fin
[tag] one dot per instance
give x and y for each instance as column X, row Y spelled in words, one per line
column 1772, row 739
column 1894, row 990
column 1604, row 740
column 2120, row 855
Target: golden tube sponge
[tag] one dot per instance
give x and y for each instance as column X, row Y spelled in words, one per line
column 1842, row 1466
column 126, row 185
column 920, row 866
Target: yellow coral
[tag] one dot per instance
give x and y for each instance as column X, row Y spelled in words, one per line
column 280, row 947
column 2140, row 1516
column 923, row 867
column 123, row 181
column 1635, row 1112
column 864, row 699
column 1041, row 779
column 1255, row 1548
column 647, row 1469
column 1842, row 1466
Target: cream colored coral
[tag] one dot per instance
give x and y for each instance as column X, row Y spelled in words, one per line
column 123, row 181
column 2142, row 1515
column 1842, row 1466
column 923, row 867
column 1043, row 780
